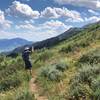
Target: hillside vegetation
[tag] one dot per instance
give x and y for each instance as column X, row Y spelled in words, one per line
column 69, row 70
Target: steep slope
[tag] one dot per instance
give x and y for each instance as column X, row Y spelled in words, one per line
column 69, row 70
column 55, row 40
column 63, row 67
column 49, row 42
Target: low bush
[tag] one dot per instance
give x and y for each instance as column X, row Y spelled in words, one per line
column 43, row 56
column 96, row 94
column 25, row 95
column 95, row 83
column 51, row 73
column 86, row 83
column 87, row 73
column 9, row 83
column 1, row 58
column 91, row 57
column 66, row 49
column 55, row 75
column 54, row 72
column 45, row 72
column 62, row 66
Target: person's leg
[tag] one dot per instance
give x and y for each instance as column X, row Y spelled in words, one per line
column 27, row 74
column 30, row 67
column 30, row 72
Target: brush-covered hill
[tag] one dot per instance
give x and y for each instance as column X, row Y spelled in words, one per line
column 70, row 70
column 48, row 42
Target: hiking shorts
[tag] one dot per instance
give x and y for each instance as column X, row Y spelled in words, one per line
column 28, row 65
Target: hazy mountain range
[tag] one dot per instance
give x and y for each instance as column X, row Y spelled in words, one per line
column 10, row 44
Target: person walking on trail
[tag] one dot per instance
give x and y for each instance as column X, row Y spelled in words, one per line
column 25, row 55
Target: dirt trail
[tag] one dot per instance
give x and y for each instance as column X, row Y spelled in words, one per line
column 34, row 89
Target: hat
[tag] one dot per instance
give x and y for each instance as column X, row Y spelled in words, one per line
column 26, row 48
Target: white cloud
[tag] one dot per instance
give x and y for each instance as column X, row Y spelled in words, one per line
column 92, row 19
column 25, row 26
column 93, row 4
column 52, row 25
column 93, row 12
column 79, row 20
column 55, row 25
column 60, row 12
column 18, row 9
column 84, row 20
column 4, row 24
column 42, row 31
column 29, row 21
column 49, row 13
column 6, row 34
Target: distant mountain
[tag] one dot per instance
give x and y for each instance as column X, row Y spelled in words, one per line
column 10, row 44
column 55, row 40
column 48, row 42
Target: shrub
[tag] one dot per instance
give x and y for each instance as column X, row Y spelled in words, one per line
column 84, row 44
column 96, row 94
column 90, row 58
column 54, row 72
column 55, row 75
column 3, row 65
column 25, row 95
column 51, row 73
column 67, row 49
column 45, row 72
column 9, row 83
column 44, row 55
column 77, row 91
column 96, row 88
column 1, row 58
column 62, row 66
column 86, row 83
column 95, row 84
column 85, row 72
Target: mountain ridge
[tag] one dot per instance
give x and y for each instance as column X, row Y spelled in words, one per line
column 48, row 42
column 10, row 44
column 52, row 41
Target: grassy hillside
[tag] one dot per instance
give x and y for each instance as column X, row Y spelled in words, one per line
column 68, row 70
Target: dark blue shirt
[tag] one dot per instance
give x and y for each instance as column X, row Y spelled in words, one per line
column 25, row 55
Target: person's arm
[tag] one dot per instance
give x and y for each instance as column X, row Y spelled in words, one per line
column 31, row 49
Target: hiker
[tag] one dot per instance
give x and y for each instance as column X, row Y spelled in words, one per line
column 25, row 55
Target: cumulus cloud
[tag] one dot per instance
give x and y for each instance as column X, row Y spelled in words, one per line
column 55, row 25
column 79, row 20
column 46, row 30
column 60, row 12
column 52, row 25
column 92, row 19
column 93, row 4
column 6, row 34
column 18, row 9
column 93, row 12
column 4, row 24
column 85, row 20
column 49, row 13
column 25, row 26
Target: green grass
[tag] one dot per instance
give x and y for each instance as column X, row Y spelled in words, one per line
column 68, row 70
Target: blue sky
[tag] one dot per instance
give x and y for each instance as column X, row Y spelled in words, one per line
column 37, row 20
